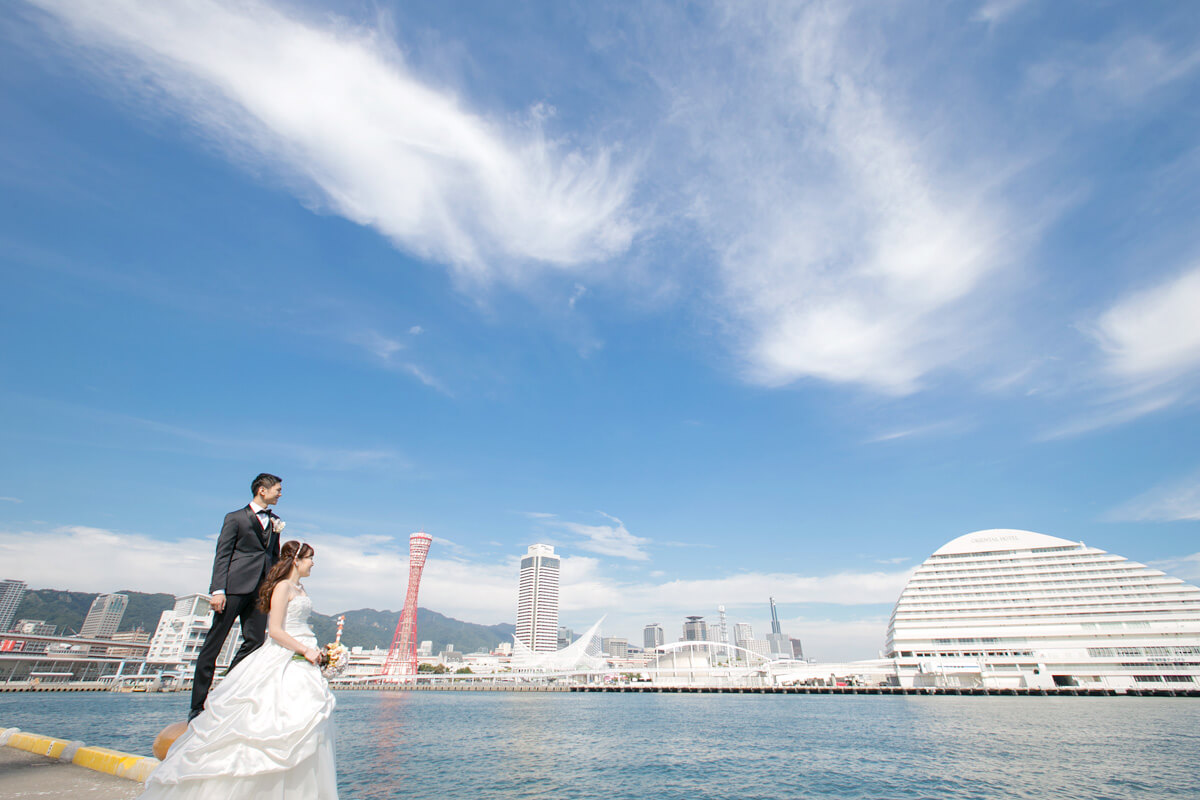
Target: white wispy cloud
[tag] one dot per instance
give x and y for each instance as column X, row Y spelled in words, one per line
column 1177, row 500
column 337, row 110
column 994, row 11
column 155, row 435
column 1109, row 413
column 942, row 426
column 1124, row 69
column 1148, row 348
column 1153, row 336
column 11, row 499
column 1183, row 567
column 848, row 239
column 607, row 540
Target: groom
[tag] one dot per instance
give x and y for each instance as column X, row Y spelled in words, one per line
column 246, row 550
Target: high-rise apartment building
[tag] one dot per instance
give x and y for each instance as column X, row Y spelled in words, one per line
column 104, row 617
column 653, row 637
column 537, row 600
column 11, row 593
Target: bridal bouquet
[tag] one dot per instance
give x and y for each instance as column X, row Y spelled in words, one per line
column 332, row 660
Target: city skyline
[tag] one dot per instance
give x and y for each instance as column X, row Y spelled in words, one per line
column 722, row 302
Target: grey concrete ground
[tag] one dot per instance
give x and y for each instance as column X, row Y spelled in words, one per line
column 25, row 775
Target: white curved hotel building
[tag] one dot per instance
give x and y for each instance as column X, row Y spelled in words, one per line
column 1008, row 608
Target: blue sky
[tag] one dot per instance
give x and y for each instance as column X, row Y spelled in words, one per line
column 722, row 300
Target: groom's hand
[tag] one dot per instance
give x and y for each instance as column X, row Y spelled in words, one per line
column 217, row 602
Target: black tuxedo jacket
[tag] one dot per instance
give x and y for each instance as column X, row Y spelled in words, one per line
column 245, row 553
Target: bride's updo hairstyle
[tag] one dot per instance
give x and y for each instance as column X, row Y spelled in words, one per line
column 289, row 554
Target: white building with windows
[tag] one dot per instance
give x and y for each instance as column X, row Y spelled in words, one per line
column 537, row 600
column 180, row 635
column 1010, row 608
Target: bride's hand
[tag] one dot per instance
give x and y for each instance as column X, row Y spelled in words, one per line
column 312, row 654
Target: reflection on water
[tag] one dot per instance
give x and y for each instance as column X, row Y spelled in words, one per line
column 428, row 745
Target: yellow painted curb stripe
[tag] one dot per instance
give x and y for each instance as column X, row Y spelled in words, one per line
column 114, row 762
column 42, row 745
column 99, row 759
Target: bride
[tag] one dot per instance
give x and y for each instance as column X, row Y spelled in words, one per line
column 267, row 729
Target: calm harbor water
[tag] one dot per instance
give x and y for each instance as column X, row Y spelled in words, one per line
column 428, row 745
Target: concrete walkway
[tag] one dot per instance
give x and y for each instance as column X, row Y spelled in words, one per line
column 26, row 775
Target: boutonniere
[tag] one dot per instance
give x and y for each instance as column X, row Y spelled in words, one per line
column 277, row 525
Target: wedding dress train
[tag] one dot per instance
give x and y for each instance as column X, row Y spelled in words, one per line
column 266, row 731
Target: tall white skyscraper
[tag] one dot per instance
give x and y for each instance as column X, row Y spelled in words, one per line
column 537, row 602
column 742, row 633
column 11, row 593
column 104, row 617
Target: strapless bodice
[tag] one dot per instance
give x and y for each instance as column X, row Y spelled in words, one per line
column 295, row 621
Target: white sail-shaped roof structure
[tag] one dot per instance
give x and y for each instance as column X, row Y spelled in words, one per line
column 582, row 655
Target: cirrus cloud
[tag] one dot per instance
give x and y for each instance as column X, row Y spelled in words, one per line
column 337, row 110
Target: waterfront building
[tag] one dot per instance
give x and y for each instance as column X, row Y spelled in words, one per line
column 180, row 634
column 35, row 627
column 11, row 593
column 364, row 664
column 722, row 626
column 425, row 648
column 1011, row 608
column 137, row 637
column 38, row 658
column 537, row 600
column 615, row 647
column 653, row 637
column 742, row 633
column 104, row 617
column 695, row 629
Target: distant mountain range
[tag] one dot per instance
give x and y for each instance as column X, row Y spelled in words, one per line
column 364, row 627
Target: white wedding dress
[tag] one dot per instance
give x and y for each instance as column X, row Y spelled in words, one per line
column 266, row 731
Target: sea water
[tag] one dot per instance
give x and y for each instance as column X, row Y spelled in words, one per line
column 428, row 745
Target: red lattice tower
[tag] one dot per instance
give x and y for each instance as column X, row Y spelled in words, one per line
column 402, row 658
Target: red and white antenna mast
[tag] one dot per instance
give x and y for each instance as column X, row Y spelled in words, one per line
column 401, row 662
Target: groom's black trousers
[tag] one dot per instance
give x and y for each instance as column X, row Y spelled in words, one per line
column 254, row 632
